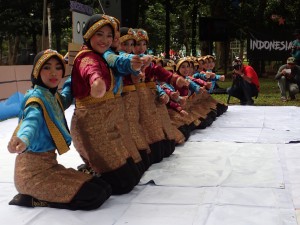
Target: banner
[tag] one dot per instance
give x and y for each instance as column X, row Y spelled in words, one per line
column 268, row 45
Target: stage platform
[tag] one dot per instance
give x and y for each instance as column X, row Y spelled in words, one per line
column 243, row 170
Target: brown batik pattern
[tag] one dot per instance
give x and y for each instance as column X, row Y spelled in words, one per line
column 178, row 119
column 131, row 102
column 40, row 175
column 96, row 136
column 198, row 107
column 123, row 127
column 204, row 103
column 165, row 120
column 148, row 115
column 209, row 100
column 179, row 137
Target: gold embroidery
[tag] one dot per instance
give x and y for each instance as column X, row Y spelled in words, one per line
column 86, row 61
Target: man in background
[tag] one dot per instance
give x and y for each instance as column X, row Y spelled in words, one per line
column 245, row 83
column 296, row 47
column 288, row 77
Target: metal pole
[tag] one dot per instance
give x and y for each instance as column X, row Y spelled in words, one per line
column 49, row 26
column 44, row 21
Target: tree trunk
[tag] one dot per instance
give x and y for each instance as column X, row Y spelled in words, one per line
column 57, row 41
column 13, row 49
column 167, row 38
column 221, row 59
column 194, row 24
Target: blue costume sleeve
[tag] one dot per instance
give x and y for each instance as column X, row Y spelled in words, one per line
column 120, row 63
column 216, row 78
column 30, row 126
column 160, row 91
column 66, row 94
column 194, row 87
column 200, row 75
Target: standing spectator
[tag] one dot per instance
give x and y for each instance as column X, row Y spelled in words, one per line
column 288, row 77
column 296, row 47
column 245, row 83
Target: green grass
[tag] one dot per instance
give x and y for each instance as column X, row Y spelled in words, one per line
column 269, row 94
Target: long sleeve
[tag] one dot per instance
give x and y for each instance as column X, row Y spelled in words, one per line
column 200, row 76
column 31, row 124
column 154, row 73
column 66, row 94
column 160, row 90
column 194, row 87
column 175, row 105
column 120, row 63
column 88, row 67
column 278, row 74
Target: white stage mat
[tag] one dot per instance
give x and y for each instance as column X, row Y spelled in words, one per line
column 241, row 170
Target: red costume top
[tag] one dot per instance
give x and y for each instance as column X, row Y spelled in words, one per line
column 184, row 90
column 154, row 72
column 88, row 66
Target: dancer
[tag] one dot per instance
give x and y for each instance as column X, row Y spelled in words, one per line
column 42, row 130
column 97, row 136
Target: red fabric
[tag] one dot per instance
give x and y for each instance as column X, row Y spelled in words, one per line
column 250, row 72
column 88, row 66
column 127, row 80
column 154, row 72
column 198, row 81
column 183, row 91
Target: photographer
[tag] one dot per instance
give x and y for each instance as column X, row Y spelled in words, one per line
column 245, row 83
column 288, row 77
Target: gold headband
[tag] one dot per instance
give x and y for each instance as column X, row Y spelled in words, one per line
column 131, row 34
column 46, row 55
column 180, row 62
column 114, row 21
column 96, row 26
column 141, row 35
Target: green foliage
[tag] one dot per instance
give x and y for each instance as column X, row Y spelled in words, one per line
column 23, row 18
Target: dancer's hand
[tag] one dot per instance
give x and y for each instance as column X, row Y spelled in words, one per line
column 16, row 145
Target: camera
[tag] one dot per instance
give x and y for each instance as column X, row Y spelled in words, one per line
column 237, row 67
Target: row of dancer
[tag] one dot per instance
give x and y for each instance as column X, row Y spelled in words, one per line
column 123, row 120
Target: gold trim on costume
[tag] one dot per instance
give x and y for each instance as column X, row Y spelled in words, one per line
column 55, row 133
column 129, row 88
column 140, row 85
column 151, row 85
column 89, row 100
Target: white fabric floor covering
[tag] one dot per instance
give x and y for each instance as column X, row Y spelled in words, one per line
column 242, row 170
